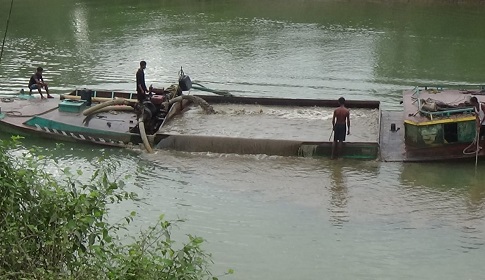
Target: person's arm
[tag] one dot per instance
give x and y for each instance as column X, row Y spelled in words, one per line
column 348, row 122
column 37, row 80
column 478, row 115
column 144, row 86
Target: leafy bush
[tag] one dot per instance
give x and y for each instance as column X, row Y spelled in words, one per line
column 57, row 228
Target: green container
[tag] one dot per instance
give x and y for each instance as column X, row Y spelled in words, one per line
column 72, row 106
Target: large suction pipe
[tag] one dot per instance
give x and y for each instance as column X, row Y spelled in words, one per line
column 94, row 99
column 144, row 137
column 93, row 109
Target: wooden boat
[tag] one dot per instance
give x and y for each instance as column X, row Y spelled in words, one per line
column 117, row 119
column 439, row 124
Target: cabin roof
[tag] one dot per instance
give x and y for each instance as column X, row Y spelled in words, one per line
column 458, row 100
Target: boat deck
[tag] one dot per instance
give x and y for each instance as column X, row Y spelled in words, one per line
column 19, row 109
column 28, row 115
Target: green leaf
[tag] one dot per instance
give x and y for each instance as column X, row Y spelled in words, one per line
column 92, row 238
column 67, row 171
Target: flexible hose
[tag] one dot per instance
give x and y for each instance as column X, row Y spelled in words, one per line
column 119, row 101
column 144, row 137
column 215, row 91
column 94, row 99
column 113, row 108
column 195, row 99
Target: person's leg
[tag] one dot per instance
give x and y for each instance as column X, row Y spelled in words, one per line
column 339, row 148
column 39, row 89
column 141, row 96
column 47, row 91
column 34, row 86
column 336, row 139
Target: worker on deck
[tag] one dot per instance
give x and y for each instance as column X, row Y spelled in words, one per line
column 37, row 82
column 141, row 88
column 340, row 125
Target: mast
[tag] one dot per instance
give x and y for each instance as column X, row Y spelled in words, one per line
column 6, row 29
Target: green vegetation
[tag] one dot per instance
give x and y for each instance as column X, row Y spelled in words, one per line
column 53, row 228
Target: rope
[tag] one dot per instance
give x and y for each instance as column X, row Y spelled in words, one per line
column 6, row 29
column 475, row 141
column 7, row 100
column 18, row 114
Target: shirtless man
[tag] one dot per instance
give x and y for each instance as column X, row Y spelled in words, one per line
column 340, row 124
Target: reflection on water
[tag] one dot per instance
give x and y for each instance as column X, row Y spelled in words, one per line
column 457, row 196
column 326, row 213
column 338, row 194
column 461, row 178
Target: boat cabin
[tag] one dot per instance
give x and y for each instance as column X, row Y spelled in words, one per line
column 435, row 117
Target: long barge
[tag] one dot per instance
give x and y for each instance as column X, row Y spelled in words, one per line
column 418, row 132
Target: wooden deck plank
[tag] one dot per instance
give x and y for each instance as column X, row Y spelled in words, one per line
column 392, row 143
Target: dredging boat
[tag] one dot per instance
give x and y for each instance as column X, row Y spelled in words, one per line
column 439, row 125
column 118, row 119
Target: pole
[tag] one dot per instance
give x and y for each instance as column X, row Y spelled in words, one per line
column 331, row 133
column 6, row 29
column 477, row 138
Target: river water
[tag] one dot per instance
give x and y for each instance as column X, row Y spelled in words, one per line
column 277, row 217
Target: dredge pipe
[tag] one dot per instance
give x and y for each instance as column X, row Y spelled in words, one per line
column 94, row 99
column 93, row 109
column 144, row 137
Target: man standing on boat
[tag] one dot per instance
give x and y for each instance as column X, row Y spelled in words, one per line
column 480, row 115
column 340, row 124
column 37, row 82
column 141, row 88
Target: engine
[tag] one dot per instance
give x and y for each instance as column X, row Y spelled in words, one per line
column 153, row 112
